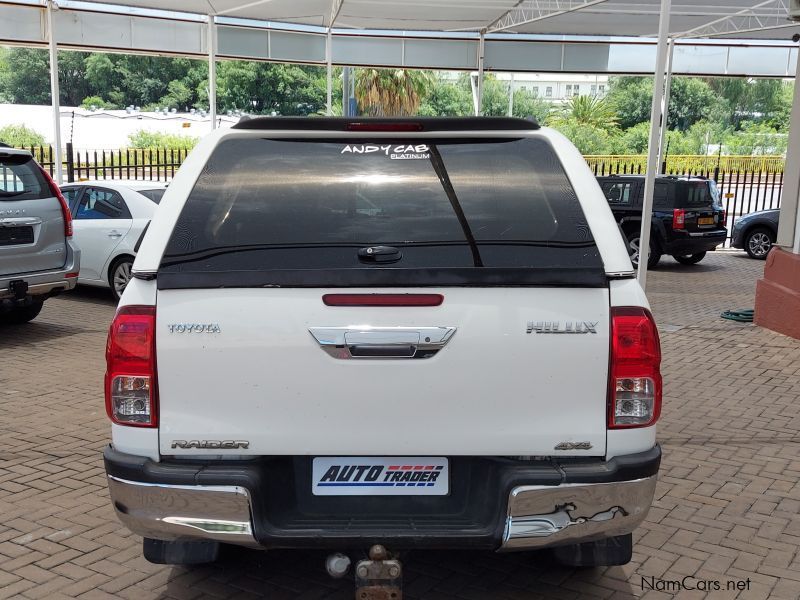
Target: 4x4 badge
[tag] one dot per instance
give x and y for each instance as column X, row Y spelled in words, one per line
column 555, row 327
column 573, row 446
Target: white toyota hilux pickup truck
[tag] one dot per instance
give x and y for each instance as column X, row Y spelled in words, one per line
column 415, row 333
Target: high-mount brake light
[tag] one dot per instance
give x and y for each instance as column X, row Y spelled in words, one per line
column 378, row 126
column 130, row 382
column 634, row 394
column 382, row 299
column 678, row 218
column 56, row 191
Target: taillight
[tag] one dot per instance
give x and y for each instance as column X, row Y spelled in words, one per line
column 54, row 189
column 678, row 218
column 635, row 375
column 382, row 299
column 130, row 382
column 384, row 126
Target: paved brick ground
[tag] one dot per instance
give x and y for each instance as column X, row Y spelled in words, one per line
column 727, row 503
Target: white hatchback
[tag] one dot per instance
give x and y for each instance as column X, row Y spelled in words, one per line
column 109, row 218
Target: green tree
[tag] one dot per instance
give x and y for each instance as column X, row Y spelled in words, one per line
column 19, row 135
column 264, row 88
column 697, row 139
column 155, row 139
column 97, row 102
column 526, row 105
column 25, row 76
column 589, row 139
column 590, row 111
column 756, row 138
column 391, row 92
column 447, row 99
column 633, row 140
column 691, row 100
column 756, row 100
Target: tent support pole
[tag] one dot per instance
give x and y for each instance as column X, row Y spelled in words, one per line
column 212, row 71
column 58, row 171
column 653, row 144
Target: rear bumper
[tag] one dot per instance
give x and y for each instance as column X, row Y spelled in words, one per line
column 495, row 503
column 695, row 242
column 46, row 283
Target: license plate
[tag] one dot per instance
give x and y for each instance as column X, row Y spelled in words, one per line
column 705, row 221
column 380, row 476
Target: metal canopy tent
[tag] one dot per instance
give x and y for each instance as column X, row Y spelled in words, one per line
column 667, row 20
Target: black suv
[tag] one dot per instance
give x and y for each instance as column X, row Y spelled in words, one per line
column 688, row 218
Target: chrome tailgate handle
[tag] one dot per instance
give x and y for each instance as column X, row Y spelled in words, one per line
column 382, row 342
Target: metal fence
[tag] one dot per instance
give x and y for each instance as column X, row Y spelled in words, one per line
column 148, row 164
column 747, row 183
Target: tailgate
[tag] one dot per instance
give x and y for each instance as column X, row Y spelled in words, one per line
column 492, row 224
column 505, row 382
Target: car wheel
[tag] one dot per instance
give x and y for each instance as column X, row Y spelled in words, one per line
column 119, row 275
column 21, row 315
column 689, row 259
column 759, row 242
column 633, row 251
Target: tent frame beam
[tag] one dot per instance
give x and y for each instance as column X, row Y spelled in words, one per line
column 768, row 14
column 530, row 11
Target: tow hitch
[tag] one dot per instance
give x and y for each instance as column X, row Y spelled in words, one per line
column 379, row 577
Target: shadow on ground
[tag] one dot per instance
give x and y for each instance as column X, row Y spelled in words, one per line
column 441, row 574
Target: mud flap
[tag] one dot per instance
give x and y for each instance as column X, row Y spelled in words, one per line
column 601, row 553
column 162, row 552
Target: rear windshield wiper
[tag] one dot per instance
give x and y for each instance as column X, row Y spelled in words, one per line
column 444, row 179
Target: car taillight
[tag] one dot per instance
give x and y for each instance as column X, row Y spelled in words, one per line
column 678, row 218
column 130, row 383
column 635, row 375
column 384, row 126
column 382, row 299
column 56, row 191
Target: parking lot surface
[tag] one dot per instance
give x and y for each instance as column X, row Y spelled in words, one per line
column 726, row 520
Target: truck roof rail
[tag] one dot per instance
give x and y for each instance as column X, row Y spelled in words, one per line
column 372, row 124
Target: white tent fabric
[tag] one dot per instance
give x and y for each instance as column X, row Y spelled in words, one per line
column 742, row 19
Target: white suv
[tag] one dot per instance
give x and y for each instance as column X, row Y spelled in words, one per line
column 415, row 333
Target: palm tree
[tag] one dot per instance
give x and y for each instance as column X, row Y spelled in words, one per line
column 589, row 110
column 391, row 92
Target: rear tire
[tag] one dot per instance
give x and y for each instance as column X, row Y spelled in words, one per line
column 633, row 250
column 689, row 259
column 161, row 552
column 601, row 553
column 119, row 275
column 758, row 243
column 21, row 315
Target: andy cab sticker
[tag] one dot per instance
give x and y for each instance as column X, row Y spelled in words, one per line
column 393, row 151
column 380, row 476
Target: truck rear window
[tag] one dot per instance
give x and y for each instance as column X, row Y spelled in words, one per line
column 460, row 212
column 20, row 178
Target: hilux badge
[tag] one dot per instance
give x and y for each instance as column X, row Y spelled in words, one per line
column 556, row 327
